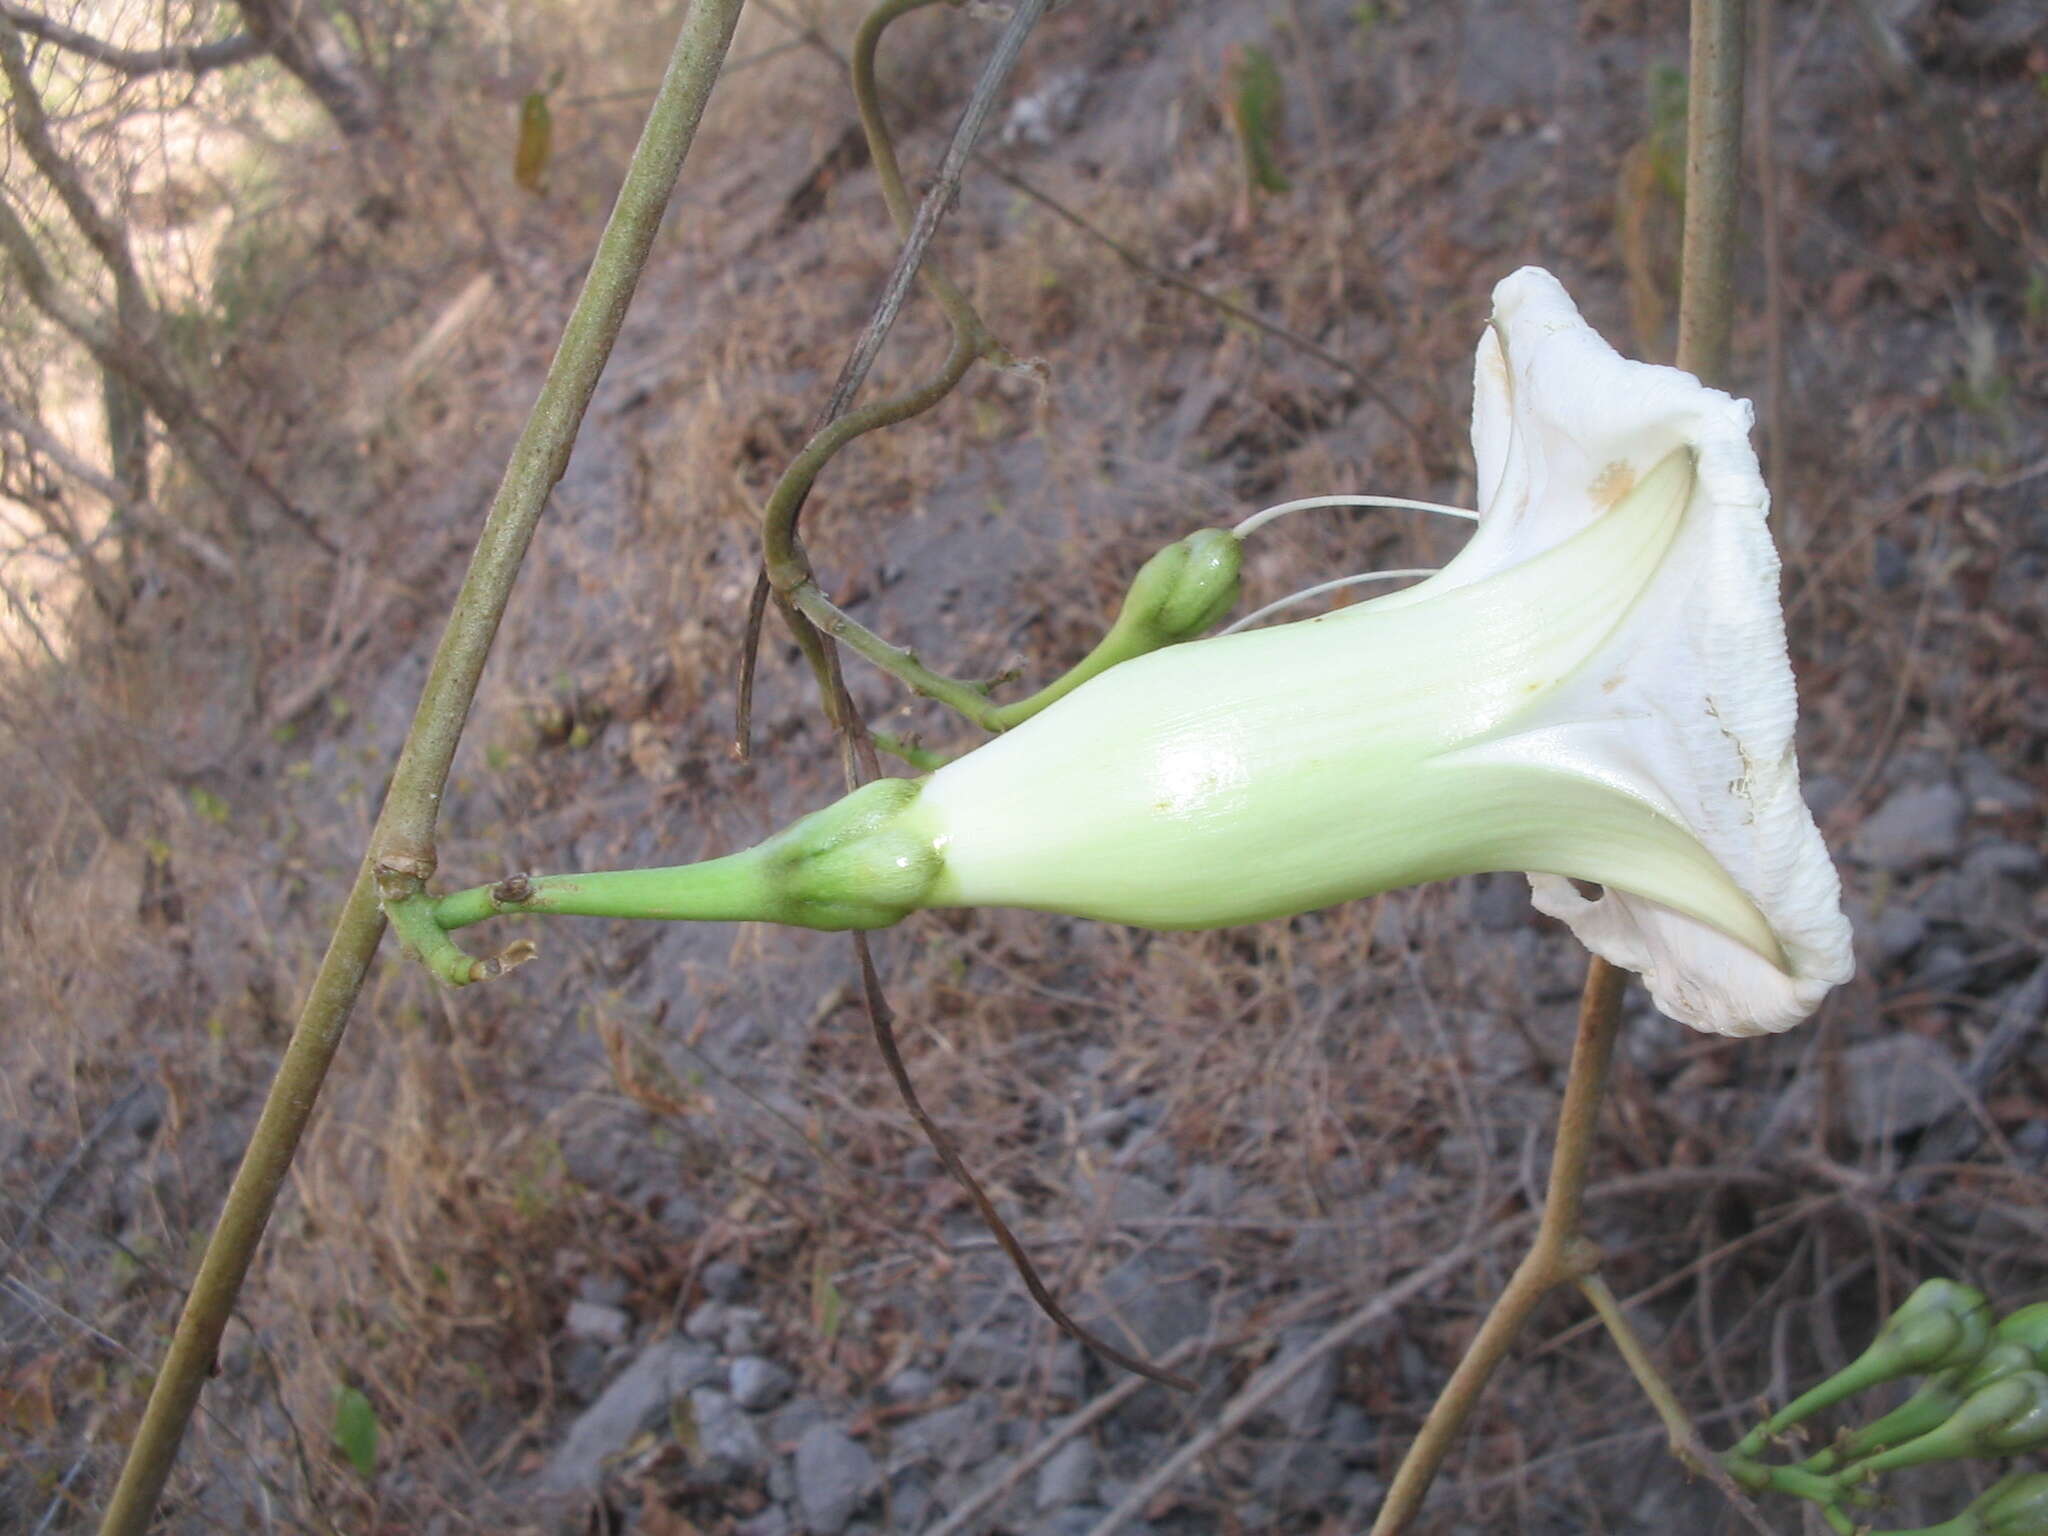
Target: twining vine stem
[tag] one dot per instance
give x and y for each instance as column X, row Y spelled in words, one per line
column 401, row 852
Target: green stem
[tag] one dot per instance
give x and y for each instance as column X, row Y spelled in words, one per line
column 784, row 563
column 727, row 890
column 1713, row 158
column 405, row 829
column 1558, row 1255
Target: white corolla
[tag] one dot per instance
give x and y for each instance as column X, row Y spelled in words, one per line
column 1595, row 688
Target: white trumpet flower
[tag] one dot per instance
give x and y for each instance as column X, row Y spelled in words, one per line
column 1595, row 688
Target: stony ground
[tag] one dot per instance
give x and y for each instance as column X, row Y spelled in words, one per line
column 639, row 1239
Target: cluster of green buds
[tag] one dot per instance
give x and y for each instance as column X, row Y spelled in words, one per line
column 1984, row 1395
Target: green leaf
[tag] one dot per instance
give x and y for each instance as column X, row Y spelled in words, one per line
column 209, row 805
column 536, row 139
column 828, row 1306
column 1258, row 106
column 355, row 1430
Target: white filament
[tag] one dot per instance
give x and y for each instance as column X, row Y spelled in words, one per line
column 1317, row 591
column 1259, row 519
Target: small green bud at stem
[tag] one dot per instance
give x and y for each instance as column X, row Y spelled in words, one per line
column 1177, row 595
column 1940, row 1324
column 2015, row 1506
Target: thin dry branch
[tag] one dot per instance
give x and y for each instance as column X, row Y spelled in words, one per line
column 188, row 58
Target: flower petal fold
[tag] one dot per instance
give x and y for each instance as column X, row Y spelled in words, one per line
column 1698, row 677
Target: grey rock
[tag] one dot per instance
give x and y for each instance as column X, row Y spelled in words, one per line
column 1076, row 1520
column 1105, row 1127
column 912, row 1384
column 1916, row 826
column 1353, row 1433
column 1066, row 1378
column 962, row 1434
column 1897, row 1084
column 1150, row 1305
column 1046, row 113
column 1211, row 1190
column 594, row 1320
column 782, row 1481
column 2003, row 858
column 786, row 1425
column 579, row 1373
column 1499, row 903
column 1362, row 1495
column 1131, row 1196
column 1885, row 937
column 745, row 1329
column 606, row 1287
column 706, row 1323
column 1302, row 1406
column 758, row 1384
column 910, row 1502
column 1992, row 790
column 1941, row 966
column 772, row 1521
column 637, row 1398
column 835, row 1475
column 1822, row 793
column 723, row 1280
column 993, row 1353
column 1889, row 563
column 729, row 1446
column 678, row 1216
column 1300, row 1475
column 1066, row 1476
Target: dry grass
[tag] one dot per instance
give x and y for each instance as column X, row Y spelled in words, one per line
column 1301, row 1112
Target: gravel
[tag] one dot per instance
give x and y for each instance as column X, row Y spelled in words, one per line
column 1916, row 826
column 758, row 1384
column 835, row 1475
column 637, row 1398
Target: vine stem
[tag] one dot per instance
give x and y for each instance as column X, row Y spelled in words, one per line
column 401, row 853
column 1560, row 1253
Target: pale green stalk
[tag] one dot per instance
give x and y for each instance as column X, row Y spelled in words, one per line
column 402, row 847
column 1561, row 1254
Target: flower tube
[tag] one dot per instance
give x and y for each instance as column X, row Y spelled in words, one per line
column 1596, row 688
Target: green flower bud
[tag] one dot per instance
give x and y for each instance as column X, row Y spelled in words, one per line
column 2005, row 1357
column 1997, row 1420
column 1183, row 590
column 2028, row 1326
column 1941, row 1324
column 2015, row 1506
